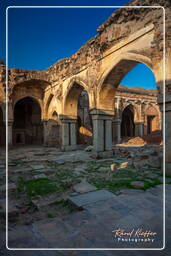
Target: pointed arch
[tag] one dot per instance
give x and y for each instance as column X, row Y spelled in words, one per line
column 111, row 77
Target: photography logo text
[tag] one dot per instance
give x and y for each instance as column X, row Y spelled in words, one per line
column 134, row 235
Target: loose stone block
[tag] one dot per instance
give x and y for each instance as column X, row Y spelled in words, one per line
column 60, row 161
column 89, row 148
column 37, row 167
column 137, row 184
column 47, row 200
column 103, row 169
column 90, row 197
column 39, row 176
column 123, row 165
column 84, row 187
column 113, row 167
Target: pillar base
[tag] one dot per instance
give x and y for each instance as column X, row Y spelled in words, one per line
column 69, row 148
column 103, row 154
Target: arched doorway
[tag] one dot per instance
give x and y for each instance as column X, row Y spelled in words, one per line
column 27, row 126
column 54, row 136
column 77, row 124
column 2, row 129
column 84, row 120
column 127, row 123
column 53, row 124
column 152, row 122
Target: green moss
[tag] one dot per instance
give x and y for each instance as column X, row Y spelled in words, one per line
column 42, row 186
column 50, row 215
column 115, row 186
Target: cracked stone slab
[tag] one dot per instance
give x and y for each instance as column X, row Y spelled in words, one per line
column 47, row 200
column 90, row 197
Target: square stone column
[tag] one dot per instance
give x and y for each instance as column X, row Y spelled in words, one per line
column 69, row 139
column 116, row 126
column 102, row 133
column 10, row 125
column 139, row 129
column 45, row 132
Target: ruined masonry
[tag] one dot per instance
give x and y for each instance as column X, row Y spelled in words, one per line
column 79, row 100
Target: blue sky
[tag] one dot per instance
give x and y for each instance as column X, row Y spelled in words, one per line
column 40, row 37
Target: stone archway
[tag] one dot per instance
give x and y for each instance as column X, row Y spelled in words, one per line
column 27, row 125
column 108, row 83
column 113, row 73
column 127, row 122
column 76, row 120
column 2, row 128
column 84, row 120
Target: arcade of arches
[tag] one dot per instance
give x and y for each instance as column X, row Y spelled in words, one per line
column 80, row 99
column 137, row 115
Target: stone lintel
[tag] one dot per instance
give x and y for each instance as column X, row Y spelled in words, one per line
column 139, row 123
column 68, row 119
column 102, row 114
column 116, row 121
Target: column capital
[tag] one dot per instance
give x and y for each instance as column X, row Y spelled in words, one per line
column 116, row 121
column 45, row 121
column 68, row 119
column 102, row 112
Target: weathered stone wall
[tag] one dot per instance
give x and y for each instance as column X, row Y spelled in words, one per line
column 128, row 37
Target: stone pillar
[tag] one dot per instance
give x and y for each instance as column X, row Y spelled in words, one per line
column 45, row 132
column 139, row 129
column 73, row 131
column 117, row 131
column 10, row 124
column 69, row 139
column 102, row 131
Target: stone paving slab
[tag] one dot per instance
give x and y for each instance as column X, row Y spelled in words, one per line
column 84, row 187
column 47, row 200
column 22, row 170
column 37, row 167
column 39, row 176
column 90, row 197
column 91, row 228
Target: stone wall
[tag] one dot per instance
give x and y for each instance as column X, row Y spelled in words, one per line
column 128, row 37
